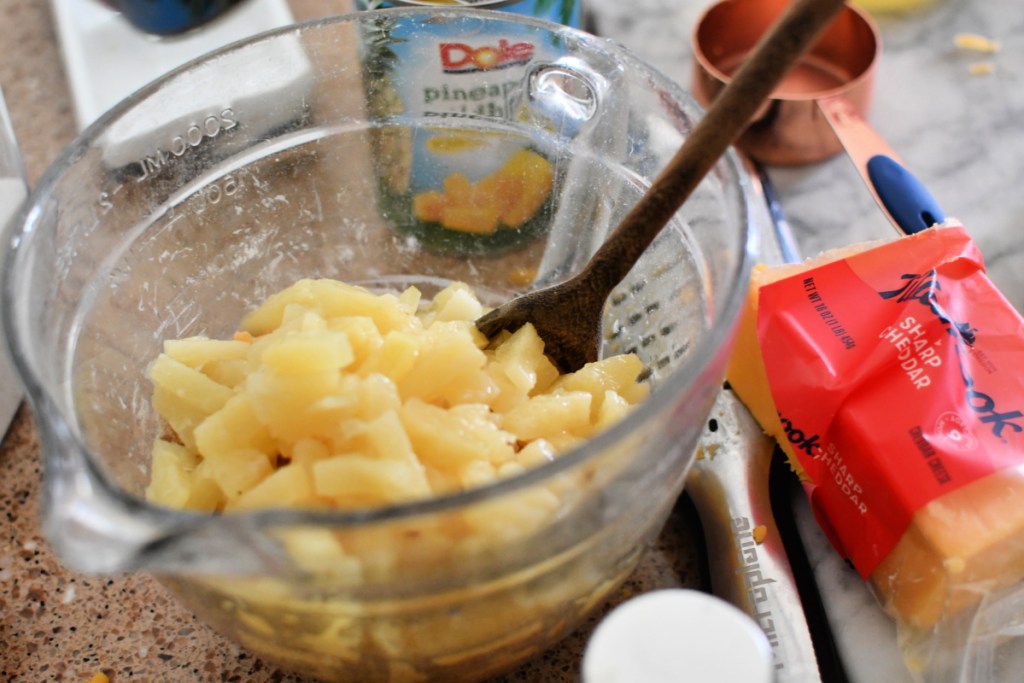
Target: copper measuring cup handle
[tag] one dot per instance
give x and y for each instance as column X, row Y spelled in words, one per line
column 819, row 111
column 906, row 201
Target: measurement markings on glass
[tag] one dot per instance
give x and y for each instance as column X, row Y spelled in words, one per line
column 194, row 136
column 215, row 192
column 106, row 199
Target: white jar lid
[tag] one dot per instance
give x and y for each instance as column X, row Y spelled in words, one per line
column 668, row 636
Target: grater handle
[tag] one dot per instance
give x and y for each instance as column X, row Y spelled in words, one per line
column 747, row 562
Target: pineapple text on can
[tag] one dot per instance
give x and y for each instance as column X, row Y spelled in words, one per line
column 478, row 93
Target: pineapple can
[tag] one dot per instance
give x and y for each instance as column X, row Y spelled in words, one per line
column 455, row 165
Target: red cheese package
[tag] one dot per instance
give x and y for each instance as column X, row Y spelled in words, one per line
column 890, row 375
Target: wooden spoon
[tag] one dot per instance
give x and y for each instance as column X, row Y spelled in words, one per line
column 567, row 316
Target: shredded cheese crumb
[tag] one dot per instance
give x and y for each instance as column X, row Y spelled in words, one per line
column 760, row 533
column 954, row 565
column 975, row 42
column 981, row 68
column 99, row 677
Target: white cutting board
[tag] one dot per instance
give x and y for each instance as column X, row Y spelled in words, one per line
column 107, row 59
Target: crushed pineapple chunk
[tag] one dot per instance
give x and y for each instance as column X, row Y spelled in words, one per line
column 333, row 396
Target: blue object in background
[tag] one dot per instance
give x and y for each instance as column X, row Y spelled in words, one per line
column 169, row 17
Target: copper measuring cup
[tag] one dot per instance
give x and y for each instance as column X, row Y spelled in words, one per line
column 820, row 108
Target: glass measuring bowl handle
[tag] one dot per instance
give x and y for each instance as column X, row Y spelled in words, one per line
column 13, row 191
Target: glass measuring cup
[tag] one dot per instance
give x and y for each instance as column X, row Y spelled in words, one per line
column 295, row 155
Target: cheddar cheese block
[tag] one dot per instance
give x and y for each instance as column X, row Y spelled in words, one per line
column 969, row 539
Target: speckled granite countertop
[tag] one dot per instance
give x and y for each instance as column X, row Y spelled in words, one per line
column 961, row 134
column 56, row 625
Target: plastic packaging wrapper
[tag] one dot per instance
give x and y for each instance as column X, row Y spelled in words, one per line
column 890, row 375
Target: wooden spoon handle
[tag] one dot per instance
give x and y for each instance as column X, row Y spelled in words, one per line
column 725, row 119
